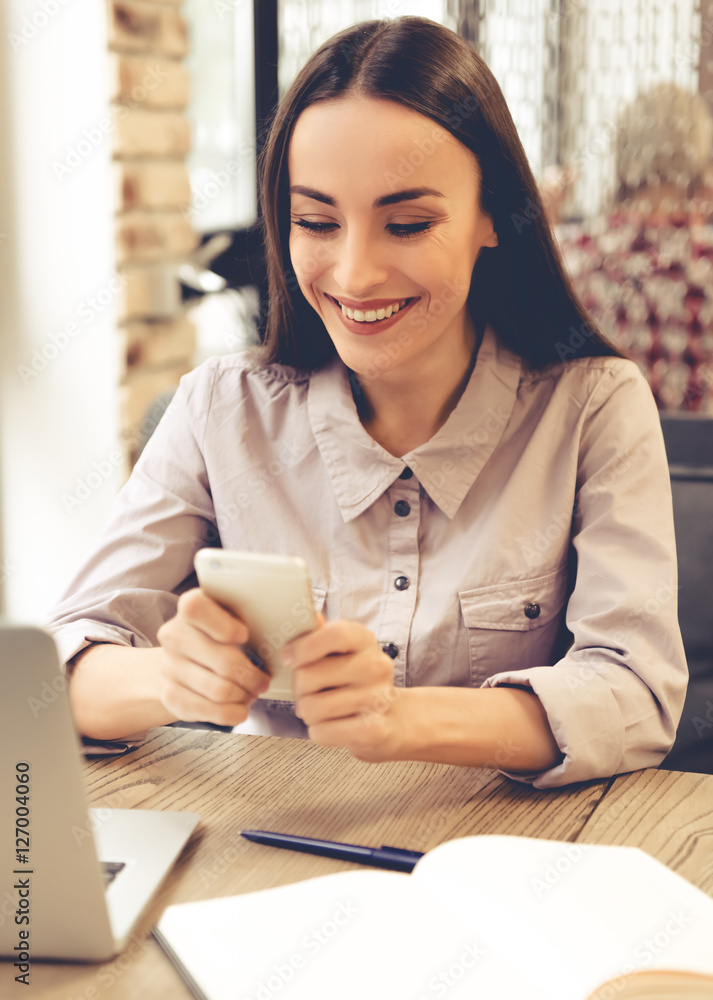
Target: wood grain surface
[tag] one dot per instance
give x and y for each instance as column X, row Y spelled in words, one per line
column 294, row 786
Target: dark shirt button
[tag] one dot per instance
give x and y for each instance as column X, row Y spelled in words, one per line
column 532, row 610
column 390, row 650
column 402, row 508
column 406, row 474
column 401, row 583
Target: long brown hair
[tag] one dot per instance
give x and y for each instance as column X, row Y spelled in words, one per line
column 519, row 287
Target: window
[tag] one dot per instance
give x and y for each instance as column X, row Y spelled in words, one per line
column 222, row 114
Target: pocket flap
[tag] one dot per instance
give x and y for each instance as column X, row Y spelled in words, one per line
column 517, row 607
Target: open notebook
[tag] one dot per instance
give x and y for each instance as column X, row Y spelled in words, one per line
column 502, row 918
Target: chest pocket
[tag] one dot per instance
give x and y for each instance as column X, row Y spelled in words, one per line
column 514, row 625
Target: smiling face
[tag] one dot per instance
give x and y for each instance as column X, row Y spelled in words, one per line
column 386, row 228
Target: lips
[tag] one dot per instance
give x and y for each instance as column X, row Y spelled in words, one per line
column 372, row 315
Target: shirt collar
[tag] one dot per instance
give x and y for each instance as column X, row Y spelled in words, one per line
column 360, row 470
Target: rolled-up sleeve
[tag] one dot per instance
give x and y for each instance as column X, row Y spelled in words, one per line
column 613, row 701
column 144, row 559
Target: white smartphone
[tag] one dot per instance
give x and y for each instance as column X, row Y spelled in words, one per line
column 271, row 594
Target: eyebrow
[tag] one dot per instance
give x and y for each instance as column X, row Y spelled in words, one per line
column 388, row 199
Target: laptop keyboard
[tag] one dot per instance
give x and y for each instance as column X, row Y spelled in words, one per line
column 110, row 870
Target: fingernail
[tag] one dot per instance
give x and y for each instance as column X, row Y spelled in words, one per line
column 288, row 656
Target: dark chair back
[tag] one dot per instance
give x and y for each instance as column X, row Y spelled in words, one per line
column 689, row 446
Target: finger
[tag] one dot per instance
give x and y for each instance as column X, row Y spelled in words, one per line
column 205, row 682
column 189, row 706
column 359, row 670
column 363, row 739
column 344, row 703
column 333, row 637
column 210, row 617
column 187, row 645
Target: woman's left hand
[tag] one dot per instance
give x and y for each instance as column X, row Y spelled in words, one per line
column 344, row 690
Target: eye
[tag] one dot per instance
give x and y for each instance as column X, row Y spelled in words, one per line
column 315, row 227
column 406, row 229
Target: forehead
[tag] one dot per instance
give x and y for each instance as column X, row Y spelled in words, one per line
column 377, row 145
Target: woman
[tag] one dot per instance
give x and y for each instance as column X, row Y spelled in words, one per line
column 475, row 477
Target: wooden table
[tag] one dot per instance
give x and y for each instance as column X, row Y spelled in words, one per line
column 235, row 782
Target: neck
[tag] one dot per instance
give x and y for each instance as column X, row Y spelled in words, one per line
column 403, row 409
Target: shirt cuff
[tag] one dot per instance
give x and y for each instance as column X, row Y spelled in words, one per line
column 107, row 748
column 584, row 718
column 72, row 639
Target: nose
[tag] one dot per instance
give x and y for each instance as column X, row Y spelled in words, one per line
column 358, row 267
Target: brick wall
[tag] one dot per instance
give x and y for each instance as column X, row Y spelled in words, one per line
column 150, row 89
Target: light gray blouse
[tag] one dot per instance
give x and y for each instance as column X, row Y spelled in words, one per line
column 529, row 542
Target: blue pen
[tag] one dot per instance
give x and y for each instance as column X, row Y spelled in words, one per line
column 396, row 858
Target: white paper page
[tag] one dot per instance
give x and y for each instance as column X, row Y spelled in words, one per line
column 576, row 915
column 351, row 936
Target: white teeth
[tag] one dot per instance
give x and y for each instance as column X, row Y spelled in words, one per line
column 372, row 315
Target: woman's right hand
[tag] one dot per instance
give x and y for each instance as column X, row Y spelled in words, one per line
column 205, row 676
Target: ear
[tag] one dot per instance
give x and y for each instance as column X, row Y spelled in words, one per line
column 491, row 239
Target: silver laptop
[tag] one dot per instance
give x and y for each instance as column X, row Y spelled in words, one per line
column 73, row 881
